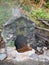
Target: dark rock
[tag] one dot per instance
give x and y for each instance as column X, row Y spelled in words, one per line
column 41, row 44
column 20, row 41
column 2, row 43
column 33, row 46
column 47, row 44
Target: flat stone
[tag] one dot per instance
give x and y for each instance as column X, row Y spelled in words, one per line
column 2, row 56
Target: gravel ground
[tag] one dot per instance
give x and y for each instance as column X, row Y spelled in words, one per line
column 28, row 62
column 5, row 63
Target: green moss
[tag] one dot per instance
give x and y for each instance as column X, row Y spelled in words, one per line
column 11, row 43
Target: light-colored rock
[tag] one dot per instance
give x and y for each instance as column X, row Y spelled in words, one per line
column 14, row 55
column 2, row 56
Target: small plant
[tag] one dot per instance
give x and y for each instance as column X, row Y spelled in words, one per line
column 47, row 0
column 47, row 5
column 26, row 8
column 11, row 43
column 37, row 1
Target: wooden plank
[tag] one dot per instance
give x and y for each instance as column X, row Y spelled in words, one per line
column 43, row 21
column 43, row 37
column 40, row 28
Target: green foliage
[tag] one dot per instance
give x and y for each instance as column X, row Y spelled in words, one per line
column 47, row 5
column 40, row 13
column 37, row 1
column 47, row 0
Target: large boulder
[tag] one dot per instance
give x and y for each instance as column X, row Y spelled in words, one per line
column 18, row 24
